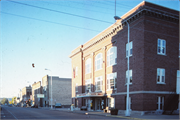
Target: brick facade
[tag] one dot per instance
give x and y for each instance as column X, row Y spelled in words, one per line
column 148, row 23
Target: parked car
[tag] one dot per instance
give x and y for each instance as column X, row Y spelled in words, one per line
column 32, row 106
column 58, row 105
column 10, row 105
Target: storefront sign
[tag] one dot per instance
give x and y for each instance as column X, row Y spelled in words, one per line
column 90, row 94
column 40, row 95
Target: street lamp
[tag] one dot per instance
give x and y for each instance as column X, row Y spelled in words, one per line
column 127, row 113
column 51, row 86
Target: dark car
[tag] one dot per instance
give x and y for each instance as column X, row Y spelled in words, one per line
column 58, row 105
column 32, row 106
column 10, row 105
column 25, row 105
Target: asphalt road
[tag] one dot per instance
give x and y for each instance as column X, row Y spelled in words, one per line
column 35, row 113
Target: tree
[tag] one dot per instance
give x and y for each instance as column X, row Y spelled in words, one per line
column 4, row 100
column 13, row 100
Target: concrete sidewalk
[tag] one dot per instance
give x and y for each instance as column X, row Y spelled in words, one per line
column 122, row 116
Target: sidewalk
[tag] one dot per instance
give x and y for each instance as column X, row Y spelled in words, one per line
column 122, row 116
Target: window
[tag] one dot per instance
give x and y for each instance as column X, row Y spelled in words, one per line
column 76, row 87
column 110, row 102
column 112, row 56
column 130, row 49
column 88, row 66
column 88, row 85
column 98, row 61
column 160, row 103
column 98, row 83
column 160, row 75
column 130, row 76
column 161, row 47
column 76, row 71
column 112, row 81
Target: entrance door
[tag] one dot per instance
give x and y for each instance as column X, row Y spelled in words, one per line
column 98, row 104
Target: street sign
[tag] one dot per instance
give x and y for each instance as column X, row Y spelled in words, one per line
column 40, row 95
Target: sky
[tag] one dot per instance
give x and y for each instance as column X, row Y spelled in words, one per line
column 44, row 32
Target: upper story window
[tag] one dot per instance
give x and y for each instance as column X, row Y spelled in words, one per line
column 161, row 50
column 76, row 87
column 160, row 75
column 88, row 85
column 112, row 81
column 112, row 56
column 98, row 83
column 98, row 61
column 130, row 49
column 130, row 76
column 88, row 66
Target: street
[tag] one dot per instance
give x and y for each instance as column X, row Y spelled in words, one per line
column 37, row 113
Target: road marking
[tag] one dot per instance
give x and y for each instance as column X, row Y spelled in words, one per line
column 125, row 117
column 11, row 114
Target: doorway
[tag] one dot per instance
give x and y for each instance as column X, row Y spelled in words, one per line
column 98, row 104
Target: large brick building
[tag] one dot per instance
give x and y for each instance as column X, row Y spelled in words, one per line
column 61, row 91
column 99, row 67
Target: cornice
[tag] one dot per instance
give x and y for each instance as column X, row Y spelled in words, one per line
column 142, row 11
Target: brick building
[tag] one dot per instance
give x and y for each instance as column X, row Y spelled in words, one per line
column 99, row 67
column 26, row 93
column 61, row 91
column 36, row 89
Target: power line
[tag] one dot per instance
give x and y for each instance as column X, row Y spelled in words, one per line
column 58, row 11
column 118, row 4
column 48, row 21
column 76, row 8
column 111, row 4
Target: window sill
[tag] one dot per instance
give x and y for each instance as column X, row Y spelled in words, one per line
column 161, row 83
column 98, row 69
column 110, row 89
column 161, row 54
column 87, row 73
column 112, row 65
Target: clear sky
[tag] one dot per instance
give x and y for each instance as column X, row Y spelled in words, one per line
column 44, row 32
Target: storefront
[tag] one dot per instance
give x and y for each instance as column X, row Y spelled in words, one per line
column 93, row 101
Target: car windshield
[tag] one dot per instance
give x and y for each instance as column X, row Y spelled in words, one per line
column 58, row 103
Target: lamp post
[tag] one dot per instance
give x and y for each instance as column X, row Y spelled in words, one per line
column 51, row 86
column 127, row 113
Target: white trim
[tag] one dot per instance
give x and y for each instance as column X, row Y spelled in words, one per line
column 100, row 59
column 162, row 72
column 114, row 58
column 161, row 46
column 88, row 62
column 143, row 92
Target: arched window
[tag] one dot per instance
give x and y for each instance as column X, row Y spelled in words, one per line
column 112, row 56
column 98, row 61
column 88, row 66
